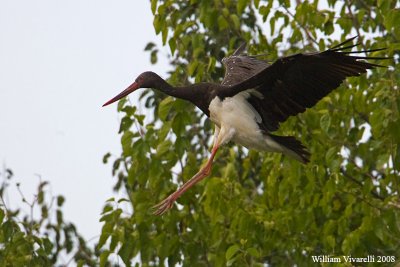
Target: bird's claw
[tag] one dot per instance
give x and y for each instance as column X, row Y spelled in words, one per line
column 163, row 206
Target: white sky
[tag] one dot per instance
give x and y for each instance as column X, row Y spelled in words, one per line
column 59, row 62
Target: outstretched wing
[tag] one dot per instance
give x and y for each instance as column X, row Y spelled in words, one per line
column 294, row 83
column 239, row 67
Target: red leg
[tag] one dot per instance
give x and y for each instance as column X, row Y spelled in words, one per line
column 167, row 203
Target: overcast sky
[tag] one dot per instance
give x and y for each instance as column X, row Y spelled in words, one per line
column 59, row 62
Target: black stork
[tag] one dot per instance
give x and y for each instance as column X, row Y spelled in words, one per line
column 255, row 97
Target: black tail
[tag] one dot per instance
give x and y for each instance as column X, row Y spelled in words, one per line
column 299, row 151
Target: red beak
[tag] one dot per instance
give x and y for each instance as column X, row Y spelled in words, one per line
column 126, row 92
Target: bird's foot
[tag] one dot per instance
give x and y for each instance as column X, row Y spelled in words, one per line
column 164, row 205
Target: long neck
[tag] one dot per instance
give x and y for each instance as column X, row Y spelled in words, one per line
column 184, row 92
column 198, row 94
column 168, row 89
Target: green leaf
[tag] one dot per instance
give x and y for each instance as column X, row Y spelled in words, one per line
column 164, row 130
column 163, row 147
column 164, row 107
column 154, row 6
column 222, row 23
column 241, row 5
column 121, row 103
column 126, row 123
column 48, row 245
column 106, row 157
column 229, row 170
column 111, row 199
column 123, row 200
column 1, row 215
column 211, row 64
column 106, row 209
column 149, row 46
column 231, row 251
column 59, row 217
column 105, row 234
column 392, row 18
column 253, row 252
column 272, row 25
column 331, row 241
column 158, row 23
column 126, row 141
column 114, row 241
column 232, row 261
column 125, row 252
column 164, row 35
column 331, row 154
column 172, row 45
column 60, row 201
column 325, row 122
column 236, row 21
column 104, row 257
column 192, row 67
column 153, row 56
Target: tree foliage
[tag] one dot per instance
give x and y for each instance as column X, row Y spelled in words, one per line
column 41, row 237
column 263, row 208
column 255, row 209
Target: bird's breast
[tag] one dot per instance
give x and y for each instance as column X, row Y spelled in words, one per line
column 234, row 110
column 237, row 114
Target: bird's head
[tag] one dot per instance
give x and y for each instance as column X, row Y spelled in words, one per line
column 147, row 79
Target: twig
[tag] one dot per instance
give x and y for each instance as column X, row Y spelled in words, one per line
column 305, row 29
column 374, row 193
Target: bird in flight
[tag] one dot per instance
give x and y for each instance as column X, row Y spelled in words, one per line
column 255, row 97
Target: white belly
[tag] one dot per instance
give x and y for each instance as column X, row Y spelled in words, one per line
column 236, row 115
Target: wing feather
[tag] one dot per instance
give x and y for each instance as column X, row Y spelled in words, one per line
column 240, row 67
column 292, row 84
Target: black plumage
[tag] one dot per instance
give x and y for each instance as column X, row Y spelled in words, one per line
column 292, row 84
column 255, row 97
